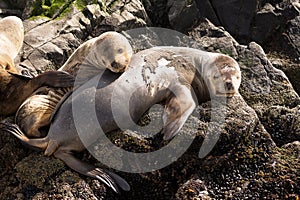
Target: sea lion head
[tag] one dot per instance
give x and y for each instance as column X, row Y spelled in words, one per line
column 115, row 50
column 224, row 76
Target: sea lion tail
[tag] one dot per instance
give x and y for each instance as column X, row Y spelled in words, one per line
column 39, row 143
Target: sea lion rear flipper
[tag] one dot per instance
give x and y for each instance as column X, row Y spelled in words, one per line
column 177, row 109
column 55, row 79
column 110, row 179
column 37, row 144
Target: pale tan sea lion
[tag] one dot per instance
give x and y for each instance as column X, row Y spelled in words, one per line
column 155, row 75
column 11, row 37
column 110, row 50
column 11, row 41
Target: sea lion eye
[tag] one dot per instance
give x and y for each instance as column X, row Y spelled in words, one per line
column 216, row 76
column 120, row 50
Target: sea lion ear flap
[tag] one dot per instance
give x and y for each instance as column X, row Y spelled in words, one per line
column 177, row 109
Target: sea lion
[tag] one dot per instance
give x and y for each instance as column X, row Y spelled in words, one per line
column 155, row 75
column 11, row 41
column 110, row 50
column 16, row 88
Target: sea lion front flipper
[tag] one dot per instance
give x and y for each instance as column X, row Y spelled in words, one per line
column 55, row 79
column 177, row 109
column 110, row 179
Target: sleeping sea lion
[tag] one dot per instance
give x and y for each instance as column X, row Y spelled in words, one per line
column 166, row 74
column 110, row 50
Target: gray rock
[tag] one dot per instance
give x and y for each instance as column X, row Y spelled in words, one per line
column 157, row 12
column 182, row 14
column 283, row 124
column 261, row 30
column 292, row 38
column 235, row 16
column 131, row 15
column 290, row 67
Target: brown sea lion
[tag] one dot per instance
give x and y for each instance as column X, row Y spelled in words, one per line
column 155, row 75
column 16, row 88
column 110, row 50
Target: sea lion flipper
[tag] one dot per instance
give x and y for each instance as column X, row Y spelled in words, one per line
column 55, row 79
column 178, row 108
column 14, row 129
column 90, row 170
column 121, row 182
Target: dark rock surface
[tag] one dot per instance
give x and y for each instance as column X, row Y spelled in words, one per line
column 257, row 153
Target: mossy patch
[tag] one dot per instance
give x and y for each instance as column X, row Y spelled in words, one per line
column 50, row 8
column 55, row 8
column 58, row 8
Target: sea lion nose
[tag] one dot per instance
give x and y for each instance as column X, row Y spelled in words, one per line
column 229, row 85
column 115, row 65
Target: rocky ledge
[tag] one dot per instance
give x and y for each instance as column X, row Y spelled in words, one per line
column 258, row 150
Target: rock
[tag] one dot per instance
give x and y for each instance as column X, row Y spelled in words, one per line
column 182, row 14
column 283, row 124
column 245, row 21
column 291, row 38
column 193, row 189
column 289, row 66
column 11, row 7
column 261, row 30
column 157, row 12
column 131, row 15
column 235, row 16
column 294, row 146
